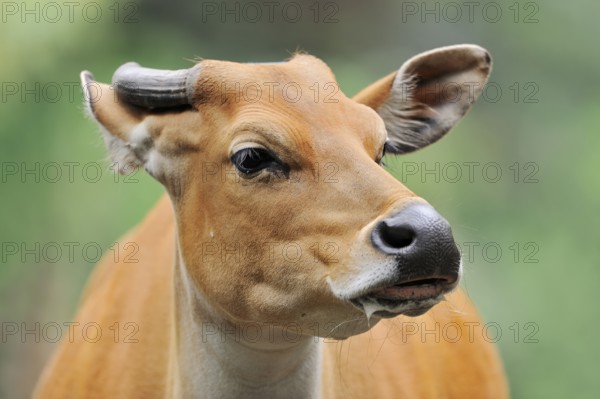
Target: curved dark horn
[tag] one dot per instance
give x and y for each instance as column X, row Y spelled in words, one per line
column 154, row 88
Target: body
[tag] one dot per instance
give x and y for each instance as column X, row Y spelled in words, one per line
column 284, row 261
column 389, row 361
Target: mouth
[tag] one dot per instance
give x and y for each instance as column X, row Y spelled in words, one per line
column 411, row 298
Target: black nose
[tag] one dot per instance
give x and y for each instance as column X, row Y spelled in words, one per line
column 421, row 240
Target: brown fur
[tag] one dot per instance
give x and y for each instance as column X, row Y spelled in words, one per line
column 382, row 362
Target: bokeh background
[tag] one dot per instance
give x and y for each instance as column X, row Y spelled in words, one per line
column 530, row 235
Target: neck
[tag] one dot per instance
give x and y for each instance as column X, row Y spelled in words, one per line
column 215, row 357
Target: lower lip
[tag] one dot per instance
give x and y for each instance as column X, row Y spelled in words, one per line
column 408, row 293
column 412, row 312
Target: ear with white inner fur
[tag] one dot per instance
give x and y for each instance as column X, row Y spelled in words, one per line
column 428, row 95
column 145, row 115
column 121, row 124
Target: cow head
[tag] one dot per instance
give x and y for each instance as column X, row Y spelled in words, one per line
column 284, row 212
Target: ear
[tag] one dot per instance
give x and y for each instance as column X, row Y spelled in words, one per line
column 121, row 125
column 428, row 95
column 145, row 116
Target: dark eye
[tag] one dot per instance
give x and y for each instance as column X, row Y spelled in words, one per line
column 252, row 160
column 383, row 152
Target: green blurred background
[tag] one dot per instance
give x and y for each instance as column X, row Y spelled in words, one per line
column 535, row 125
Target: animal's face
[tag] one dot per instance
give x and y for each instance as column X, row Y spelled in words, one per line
column 284, row 212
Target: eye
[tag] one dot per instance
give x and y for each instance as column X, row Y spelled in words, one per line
column 383, row 152
column 252, row 160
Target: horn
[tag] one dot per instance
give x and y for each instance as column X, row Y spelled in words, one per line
column 155, row 88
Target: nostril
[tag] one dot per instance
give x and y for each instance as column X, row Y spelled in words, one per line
column 396, row 237
column 421, row 243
